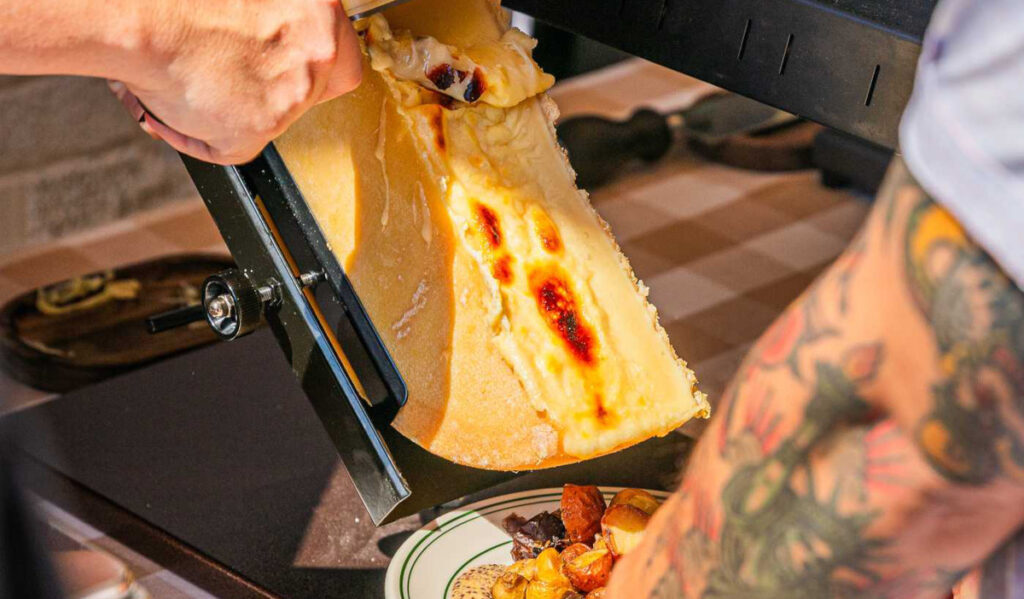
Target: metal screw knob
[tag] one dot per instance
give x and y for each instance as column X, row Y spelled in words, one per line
column 220, row 306
column 234, row 305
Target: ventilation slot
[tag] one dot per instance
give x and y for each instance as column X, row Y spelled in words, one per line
column 743, row 41
column 871, row 88
column 785, row 54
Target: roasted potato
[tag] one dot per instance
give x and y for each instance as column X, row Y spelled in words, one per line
column 549, row 568
column 596, row 594
column 590, row 570
column 509, row 586
column 527, row 568
column 573, row 551
column 582, row 507
column 637, row 498
column 539, row 589
column 599, row 543
column 623, row 528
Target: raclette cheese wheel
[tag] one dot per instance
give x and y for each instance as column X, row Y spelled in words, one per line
column 522, row 334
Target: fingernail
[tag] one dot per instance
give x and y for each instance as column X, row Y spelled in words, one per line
column 145, row 127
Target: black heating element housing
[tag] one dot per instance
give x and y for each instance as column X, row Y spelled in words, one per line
column 847, row 64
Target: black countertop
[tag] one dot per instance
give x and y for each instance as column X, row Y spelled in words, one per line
column 219, row 452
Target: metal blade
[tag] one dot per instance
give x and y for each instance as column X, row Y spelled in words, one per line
column 357, row 9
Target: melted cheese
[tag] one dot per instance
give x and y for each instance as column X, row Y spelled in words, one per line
column 546, row 316
column 500, row 72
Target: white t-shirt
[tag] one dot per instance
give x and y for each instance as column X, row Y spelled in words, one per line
column 962, row 135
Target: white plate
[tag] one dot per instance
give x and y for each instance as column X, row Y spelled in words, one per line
column 429, row 561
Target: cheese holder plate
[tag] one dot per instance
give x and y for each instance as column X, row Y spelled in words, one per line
column 327, row 337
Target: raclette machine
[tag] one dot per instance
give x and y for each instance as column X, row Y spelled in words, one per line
column 848, row 64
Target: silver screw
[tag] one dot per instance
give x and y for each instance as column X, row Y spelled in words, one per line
column 308, row 279
column 219, row 307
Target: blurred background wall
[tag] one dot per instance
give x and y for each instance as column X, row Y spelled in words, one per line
column 71, row 158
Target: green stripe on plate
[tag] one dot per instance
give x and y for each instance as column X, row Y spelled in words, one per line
column 404, row 582
column 451, row 580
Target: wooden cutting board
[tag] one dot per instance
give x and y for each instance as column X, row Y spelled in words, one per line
column 83, row 330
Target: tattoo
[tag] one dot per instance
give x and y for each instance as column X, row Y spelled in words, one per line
column 973, row 433
column 799, row 326
column 911, row 584
column 885, row 459
column 898, row 185
column 781, row 535
column 799, row 492
column 845, row 267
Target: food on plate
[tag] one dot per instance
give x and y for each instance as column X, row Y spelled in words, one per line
column 549, row 568
column 622, row 527
column 520, row 330
column 573, row 551
column 547, row 590
column 582, row 508
column 637, row 498
column 526, row 568
column 554, row 567
column 531, row 537
column 509, row 586
column 589, row 570
column 477, row 583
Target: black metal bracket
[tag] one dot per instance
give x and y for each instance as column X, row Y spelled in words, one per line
column 848, row 64
column 328, row 338
column 257, row 222
column 337, row 302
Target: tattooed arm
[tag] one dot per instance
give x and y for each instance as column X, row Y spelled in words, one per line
column 872, row 444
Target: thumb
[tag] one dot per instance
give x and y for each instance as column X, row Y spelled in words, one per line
column 347, row 71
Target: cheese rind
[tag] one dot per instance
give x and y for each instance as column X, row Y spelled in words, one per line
column 519, row 327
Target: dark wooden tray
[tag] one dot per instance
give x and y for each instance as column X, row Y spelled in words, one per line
column 106, row 334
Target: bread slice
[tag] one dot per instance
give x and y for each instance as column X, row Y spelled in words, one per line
column 518, row 325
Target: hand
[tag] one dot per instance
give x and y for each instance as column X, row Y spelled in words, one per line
column 225, row 77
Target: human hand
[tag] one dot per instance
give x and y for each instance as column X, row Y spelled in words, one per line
column 225, row 77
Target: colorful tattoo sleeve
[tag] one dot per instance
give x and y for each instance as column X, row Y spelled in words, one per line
column 872, row 443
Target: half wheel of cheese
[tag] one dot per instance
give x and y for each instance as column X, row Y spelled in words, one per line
column 518, row 325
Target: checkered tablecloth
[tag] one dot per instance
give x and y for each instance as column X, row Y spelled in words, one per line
column 723, row 250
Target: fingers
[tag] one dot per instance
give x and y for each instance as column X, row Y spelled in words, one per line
column 346, row 72
column 198, row 148
column 314, row 63
column 132, row 104
column 127, row 99
column 177, row 140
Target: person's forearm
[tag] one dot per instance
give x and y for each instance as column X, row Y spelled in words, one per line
column 216, row 80
column 871, row 444
column 111, row 38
